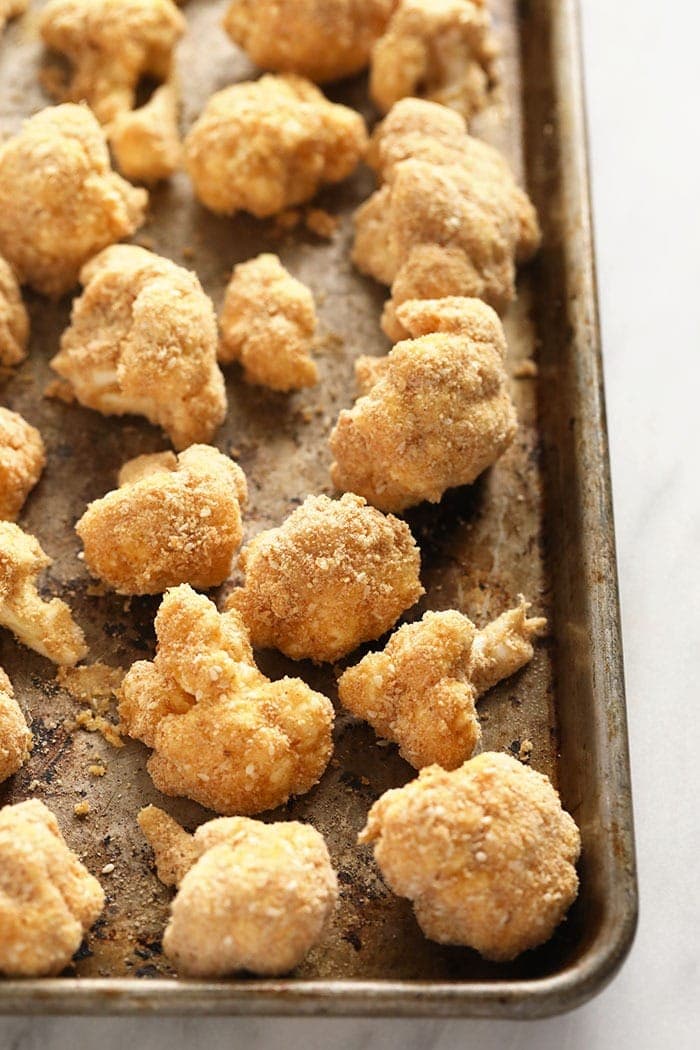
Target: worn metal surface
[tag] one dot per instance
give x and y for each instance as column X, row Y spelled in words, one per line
column 539, row 523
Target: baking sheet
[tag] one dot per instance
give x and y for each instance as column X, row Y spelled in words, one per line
column 538, row 523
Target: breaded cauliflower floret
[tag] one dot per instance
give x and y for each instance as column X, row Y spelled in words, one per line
column 319, row 39
column 485, row 853
column 60, row 201
column 111, row 45
column 265, row 145
column 143, row 339
column 15, row 738
column 252, row 896
column 421, row 691
column 221, row 732
column 48, row 899
column 146, row 141
column 442, row 50
column 173, row 519
column 267, row 323
column 436, row 412
column 14, row 320
column 11, row 9
column 335, row 574
column 22, row 459
column 46, row 627
column 449, row 219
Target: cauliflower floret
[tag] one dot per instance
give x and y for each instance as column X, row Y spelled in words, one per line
column 11, row 9
column 60, row 201
column 267, row 323
column 449, row 219
column 320, row 39
column 48, row 899
column 46, row 627
column 111, row 45
column 252, row 896
column 173, row 519
column 146, row 141
column 15, row 738
column 485, row 853
column 143, row 339
column 266, row 145
column 436, row 413
column 335, row 574
column 421, row 691
column 222, row 733
column 22, row 459
column 442, row 50
column 14, row 320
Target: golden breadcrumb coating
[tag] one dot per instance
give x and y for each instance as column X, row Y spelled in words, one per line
column 265, row 145
column 252, row 896
column 267, row 323
column 421, row 691
column 222, row 733
column 449, row 219
column 436, row 412
column 173, row 519
column 15, row 738
column 111, row 45
column 335, row 574
column 22, row 459
column 48, row 899
column 143, row 339
column 11, row 9
column 146, row 141
column 60, row 201
column 47, row 627
column 14, row 320
column 442, row 50
column 485, row 853
column 319, row 39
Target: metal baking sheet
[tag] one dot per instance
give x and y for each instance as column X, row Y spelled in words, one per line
column 539, row 523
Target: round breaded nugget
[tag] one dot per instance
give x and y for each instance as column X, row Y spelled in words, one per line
column 265, row 145
column 22, row 459
column 335, row 574
column 173, row 519
column 60, row 201
column 15, row 738
column 485, row 853
column 320, row 39
column 48, row 899
column 14, row 320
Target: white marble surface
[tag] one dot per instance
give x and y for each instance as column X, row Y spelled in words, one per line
column 642, row 72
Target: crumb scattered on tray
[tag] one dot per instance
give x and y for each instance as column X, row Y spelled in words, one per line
column 321, row 222
column 526, row 370
column 81, row 809
column 96, row 686
column 60, row 390
column 97, row 769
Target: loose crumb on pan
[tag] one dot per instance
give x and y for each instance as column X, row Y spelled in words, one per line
column 81, row 809
column 526, row 370
column 95, row 685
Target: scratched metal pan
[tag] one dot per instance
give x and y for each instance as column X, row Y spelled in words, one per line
column 539, row 523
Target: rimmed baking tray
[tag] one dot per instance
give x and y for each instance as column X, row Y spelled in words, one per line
column 539, row 523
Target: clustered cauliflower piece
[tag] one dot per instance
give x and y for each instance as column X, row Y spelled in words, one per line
column 111, row 45
column 449, row 218
column 146, row 141
column 14, row 320
column 222, row 733
column 251, row 896
column 265, row 145
column 485, row 853
column 46, row 627
column 60, row 201
column 48, row 899
column 22, row 459
column 442, row 50
column 319, row 39
column 267, row 323
column 143, row 339
column 173, row 519
column 11, row 9
column 435, row 413
column 15, row 738
column 335, row 574
column 421, row 691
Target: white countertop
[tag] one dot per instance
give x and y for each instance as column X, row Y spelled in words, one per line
column 643, row 86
